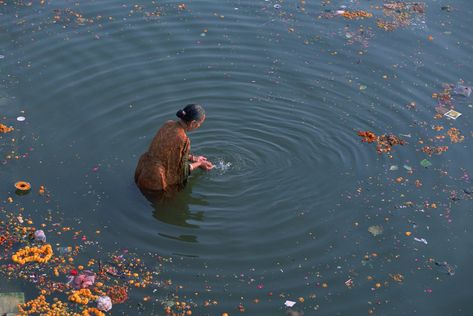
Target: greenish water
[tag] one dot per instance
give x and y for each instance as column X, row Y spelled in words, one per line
column 286, row 86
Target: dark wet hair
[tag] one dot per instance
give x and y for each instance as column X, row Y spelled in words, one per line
column 192, row 112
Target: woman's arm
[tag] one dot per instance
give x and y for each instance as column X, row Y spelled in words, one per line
column 193, row 158
column 194, row 165
column 202, row 164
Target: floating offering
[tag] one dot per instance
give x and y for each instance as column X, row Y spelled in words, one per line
column 33, row 254
column 351, row 15
column 82, row 296
column 5, row 129
column 92, row 311
column 384, row 143
column 452, row 114
column 23, row 186
column 430, row 150
column 455, row 135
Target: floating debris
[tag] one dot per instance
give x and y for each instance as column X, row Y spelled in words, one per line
column 425, row 163
column 289, row 303
column 445, row 267
column 351, row 15
column 375, row 230
column 452, row 114
column 455, row 136
column 462, row 90
column 401, row 15
column 384, row 143
column 430, row 150
column 422, row 240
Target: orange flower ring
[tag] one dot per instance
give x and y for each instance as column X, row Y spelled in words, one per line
column 30, row 254
column 23, row 186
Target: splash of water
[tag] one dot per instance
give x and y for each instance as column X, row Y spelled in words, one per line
column 222, row 166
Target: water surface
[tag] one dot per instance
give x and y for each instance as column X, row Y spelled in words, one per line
column 286, row 86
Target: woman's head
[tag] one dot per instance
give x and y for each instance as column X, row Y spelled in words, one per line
column 193, row 115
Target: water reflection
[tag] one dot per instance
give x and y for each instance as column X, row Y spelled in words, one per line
column 174, row 208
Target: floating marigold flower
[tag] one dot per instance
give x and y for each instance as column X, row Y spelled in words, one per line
column 41, row 189
column 455, row 136
column 5, row 129
column 92, row 311
column 397, row 277
column 82, row 296
column 118, row 294
column 384, row 142
column 351, row 15
column 434, row 150
column 368, row 136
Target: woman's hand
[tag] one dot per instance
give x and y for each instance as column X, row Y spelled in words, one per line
column 193, row 158
column 200, row 158
column 206, row 165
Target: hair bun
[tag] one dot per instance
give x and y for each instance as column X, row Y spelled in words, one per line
column 181, row 113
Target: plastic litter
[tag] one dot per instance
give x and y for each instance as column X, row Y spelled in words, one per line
column 422, row 240
column 104, row 303
column 83, row 280
column 425, row 163
column 462, row 90
column 63, row 250
column 40, row 236
column 445, row 267
column 289, row 303
column 452, row 114
column 20, row 118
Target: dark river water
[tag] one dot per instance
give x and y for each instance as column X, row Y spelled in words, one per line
column 298, row 208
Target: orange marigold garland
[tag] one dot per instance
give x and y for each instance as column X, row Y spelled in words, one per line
column 34, row 307
column 33, row 254
column 92, row 311
column 82, row 296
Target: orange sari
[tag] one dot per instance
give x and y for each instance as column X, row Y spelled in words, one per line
column 165, row 166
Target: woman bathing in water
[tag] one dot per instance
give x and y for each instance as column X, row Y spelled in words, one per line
column 167, row 164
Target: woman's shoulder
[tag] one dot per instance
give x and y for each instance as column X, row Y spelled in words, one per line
column 174, row 128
